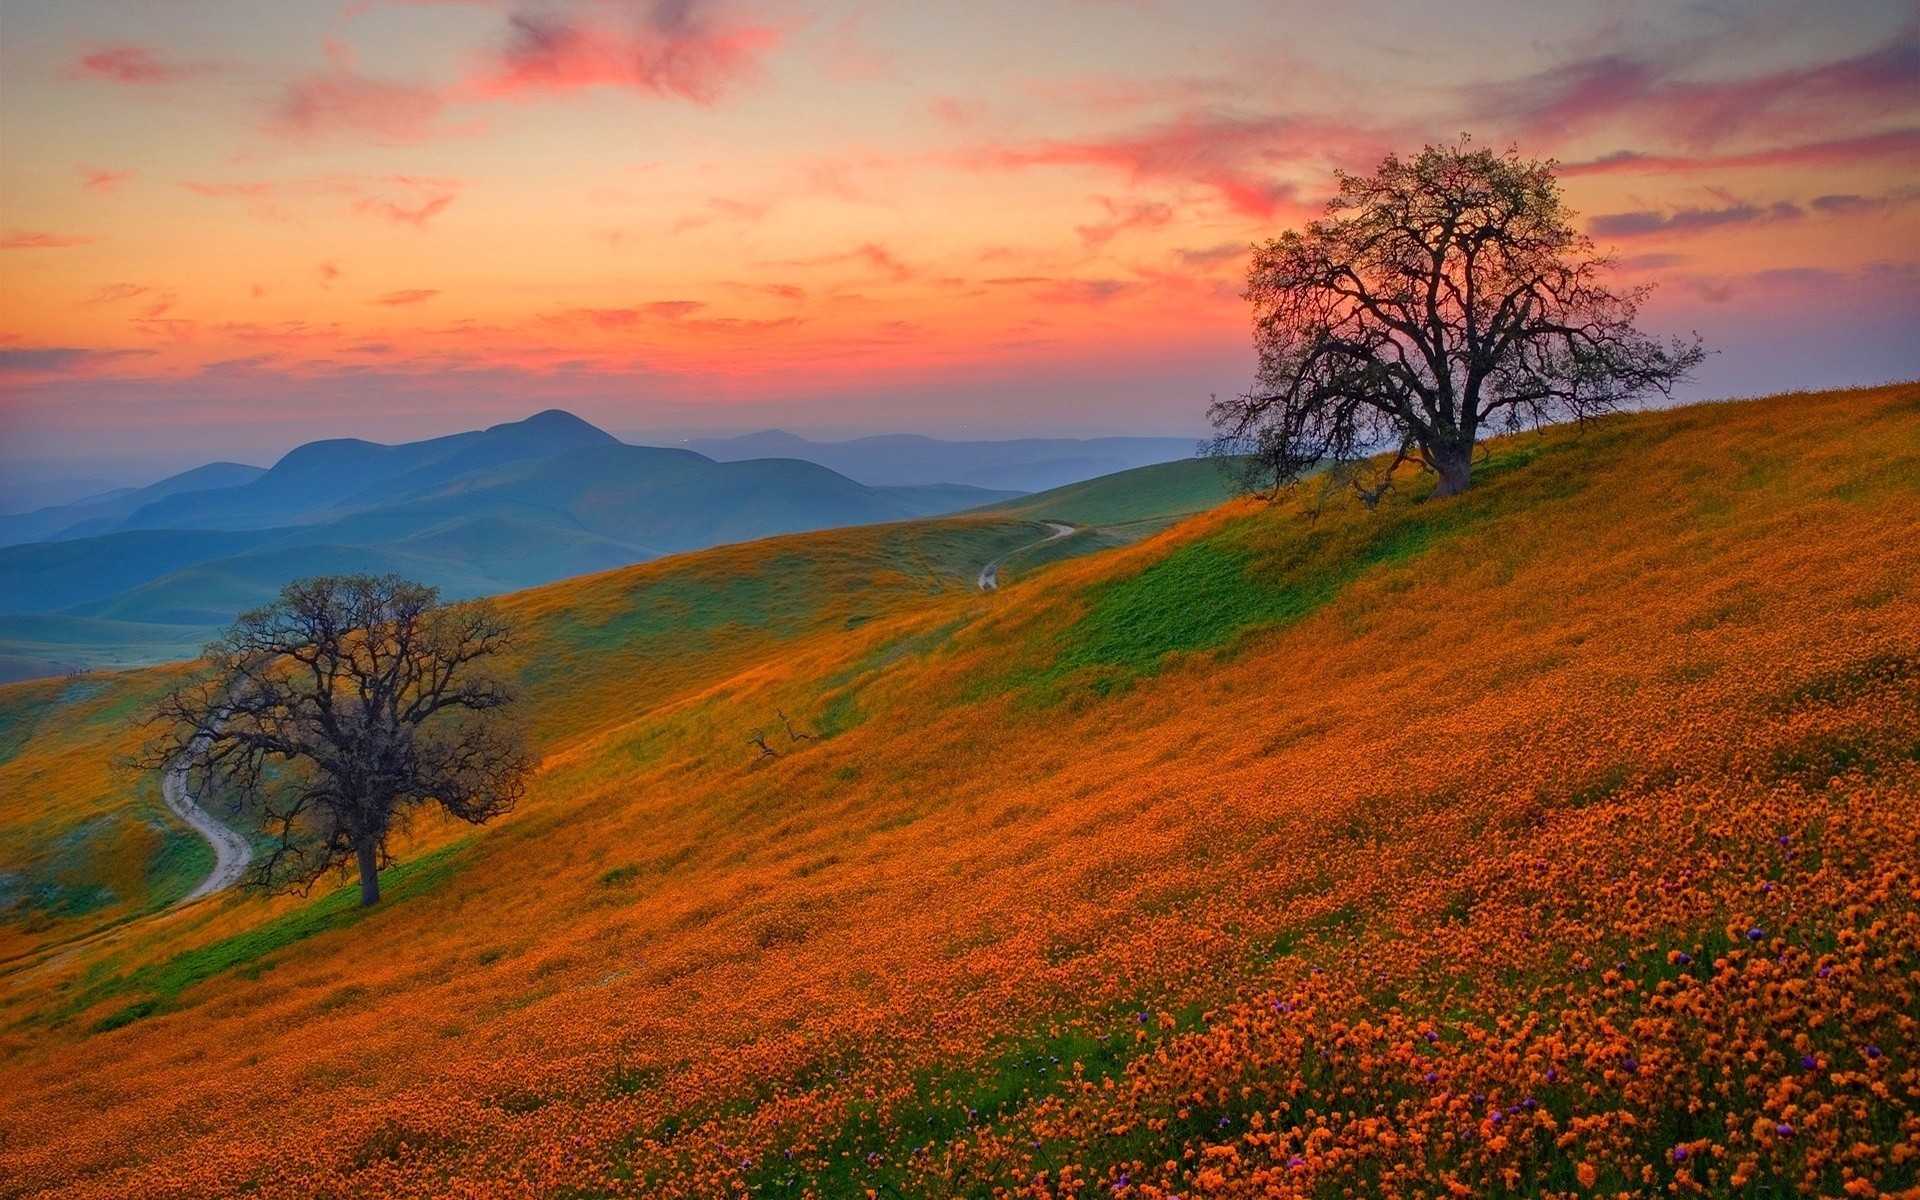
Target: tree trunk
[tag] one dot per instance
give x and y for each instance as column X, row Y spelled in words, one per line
column 369, row 857
column 1454, row 465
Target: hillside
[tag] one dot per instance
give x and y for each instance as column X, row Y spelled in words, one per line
column 1554, row 839
column 1115, row 510
column 475, row 514
column 98, row 514
column 1019, row 464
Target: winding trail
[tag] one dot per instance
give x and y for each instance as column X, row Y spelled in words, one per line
column 231, row 853
column 990, row 574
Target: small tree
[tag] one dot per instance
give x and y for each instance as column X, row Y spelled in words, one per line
column 1439, row 300
column 333, row 713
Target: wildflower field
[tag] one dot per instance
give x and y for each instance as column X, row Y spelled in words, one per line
column 1558, row 839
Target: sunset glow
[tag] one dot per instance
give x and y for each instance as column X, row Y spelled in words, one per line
column 232, row 226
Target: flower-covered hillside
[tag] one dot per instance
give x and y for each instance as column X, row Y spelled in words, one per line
column 1558, row 838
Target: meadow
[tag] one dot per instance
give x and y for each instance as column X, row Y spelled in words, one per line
column 1556, row 839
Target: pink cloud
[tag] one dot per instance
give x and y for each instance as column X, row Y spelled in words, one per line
column 872, row 254
column 342, row 101
column 1122, row 218
column 406, row 296
column 687, row 49
column 674, row 310
column 114, row 292
column 1692, row 220
column 1733, row 213
column 614, row 319
column 158, row 304
column 1897, row 144
column 131, row 64
column 101, row 181
column 1578, row 97
column 400, row 214
column 42, row 241
column 229, row 191
column 1236, row 156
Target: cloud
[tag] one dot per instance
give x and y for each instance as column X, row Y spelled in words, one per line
column 406, row 296
column 1897, row 143
column 115, row 292
column 1210, row 256
column 132, row 64
column 1691, row 220
column 1651, row 94
column 42, row 241
column 626, row 318
column 342, row 101
column 1236, row 156
column 1739, row 213
column 687, row 49
column 399, row 214
column 101, row 181
column 674, row 310
column 1081, row 292
column 1121, row 218
column 872, row 254
column 60, row 360
column 1852, row 205
column 402, row 199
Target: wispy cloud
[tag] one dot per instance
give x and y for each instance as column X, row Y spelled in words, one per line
column 132, row 64
column 692, row 50
column 1653, row 94
column 406, row 296
column 1892, row 144
column 1738, row 213
column 42, row 241
column 1691, row 220
column 342, row 101
column 1238, row 156
column 101, row 181
column 1124, row 217
column 416, row 216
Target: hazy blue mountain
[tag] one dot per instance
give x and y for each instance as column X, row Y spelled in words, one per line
column 1021, row 465
column 104, row 511
column 474, row 514
column 322, row 479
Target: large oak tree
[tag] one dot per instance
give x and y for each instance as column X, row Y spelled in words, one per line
column 1441, row 299
column 330, row 715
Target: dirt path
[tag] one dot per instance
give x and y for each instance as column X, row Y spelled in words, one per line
column 990, row 574
column 231, row 853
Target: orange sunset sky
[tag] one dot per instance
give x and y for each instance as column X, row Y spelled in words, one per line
column 232, row 226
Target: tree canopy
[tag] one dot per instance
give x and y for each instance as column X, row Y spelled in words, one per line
column 330, row 715
column 1440, row 299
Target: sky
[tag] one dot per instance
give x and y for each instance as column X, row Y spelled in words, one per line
column 227, row 227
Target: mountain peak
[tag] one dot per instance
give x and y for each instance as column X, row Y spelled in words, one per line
column 554, row 422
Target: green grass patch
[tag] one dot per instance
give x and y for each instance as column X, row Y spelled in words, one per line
column 874, row 1147
column 161, row 984
column 1155, row 493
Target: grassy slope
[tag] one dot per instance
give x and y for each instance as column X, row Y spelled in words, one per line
column 1115, row 510
column 1284, row 826
column 597, row 647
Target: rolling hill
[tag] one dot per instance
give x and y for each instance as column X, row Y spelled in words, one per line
column 475, row 514
column 102, row 513
column 1020, row 464
column 1550, row 840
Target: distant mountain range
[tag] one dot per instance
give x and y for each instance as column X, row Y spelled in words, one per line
column 474, row 513
column 1022, row 465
